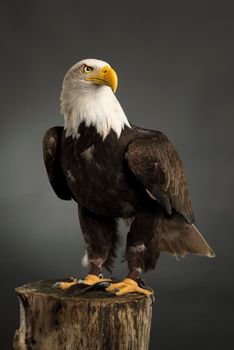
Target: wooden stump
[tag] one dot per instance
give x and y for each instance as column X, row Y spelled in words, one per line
column 52, row 320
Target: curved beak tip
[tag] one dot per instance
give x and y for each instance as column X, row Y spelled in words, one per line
column 111, row 79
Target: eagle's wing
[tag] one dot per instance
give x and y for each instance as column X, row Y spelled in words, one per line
column 51, row 151
column 156, row 164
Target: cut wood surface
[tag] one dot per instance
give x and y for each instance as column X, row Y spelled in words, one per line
column 51, row 319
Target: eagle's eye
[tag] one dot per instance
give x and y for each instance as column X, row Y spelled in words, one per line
column 86, row 69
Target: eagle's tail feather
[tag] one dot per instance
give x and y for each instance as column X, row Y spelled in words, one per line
column 179, row 238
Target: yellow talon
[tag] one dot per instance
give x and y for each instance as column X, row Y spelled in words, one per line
column 127, row 286
column 66, row 285
column 89, row 280
column 92, row 279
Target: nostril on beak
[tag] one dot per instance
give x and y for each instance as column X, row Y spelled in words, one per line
column 105, row 69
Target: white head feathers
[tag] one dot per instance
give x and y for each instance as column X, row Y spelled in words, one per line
column 91, row 102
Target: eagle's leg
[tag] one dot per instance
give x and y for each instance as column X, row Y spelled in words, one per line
column 142, row 253
column 101, row 239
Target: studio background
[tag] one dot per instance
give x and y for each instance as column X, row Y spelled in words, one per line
column 174, row 60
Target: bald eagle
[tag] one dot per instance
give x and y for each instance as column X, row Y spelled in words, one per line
column 113, row 169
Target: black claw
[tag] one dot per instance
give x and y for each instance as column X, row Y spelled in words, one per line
column 56, row 285
column 110, row 293
column 152, row 297
column 141, row 282
column 70, row 279
column 115, row 290
column 104, row 284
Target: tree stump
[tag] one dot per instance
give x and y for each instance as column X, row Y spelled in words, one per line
column 50, row 319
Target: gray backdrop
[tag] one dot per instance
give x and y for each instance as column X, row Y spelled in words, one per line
column 175, row 65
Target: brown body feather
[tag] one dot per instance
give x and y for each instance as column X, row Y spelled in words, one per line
column 138, row 174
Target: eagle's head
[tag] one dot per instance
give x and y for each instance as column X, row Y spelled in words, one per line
column 91, row 74
column 88, row 96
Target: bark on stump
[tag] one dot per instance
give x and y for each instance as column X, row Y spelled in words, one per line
column 52, row 320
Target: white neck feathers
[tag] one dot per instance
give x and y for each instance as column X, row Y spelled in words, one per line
column 95, row 106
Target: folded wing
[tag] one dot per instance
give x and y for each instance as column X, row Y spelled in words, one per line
column 51, row 153
column 156, row 164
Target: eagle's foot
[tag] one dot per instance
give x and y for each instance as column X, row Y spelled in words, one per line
column 126, row 286
column 89, row 280
column 93, row 279
column 66, row 284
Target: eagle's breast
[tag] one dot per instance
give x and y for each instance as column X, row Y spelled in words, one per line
column 95, row 171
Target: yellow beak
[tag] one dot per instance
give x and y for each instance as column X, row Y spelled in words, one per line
column 106, row 76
